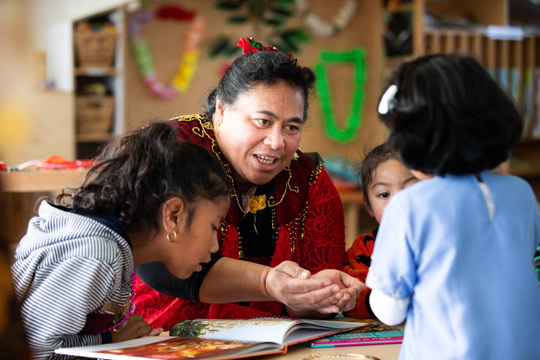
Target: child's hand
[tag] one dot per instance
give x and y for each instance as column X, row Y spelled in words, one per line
column 135, row 327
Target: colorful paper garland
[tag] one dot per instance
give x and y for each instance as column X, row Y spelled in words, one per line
column 354, row 120
column 143, row 56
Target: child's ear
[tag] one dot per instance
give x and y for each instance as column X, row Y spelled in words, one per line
column 368, row 207
column 173, row 212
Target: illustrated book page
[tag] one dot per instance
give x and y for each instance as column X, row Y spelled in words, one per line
column 280, row 331
column 217, row 339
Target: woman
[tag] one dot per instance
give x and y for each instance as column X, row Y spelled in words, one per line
column 284, row 206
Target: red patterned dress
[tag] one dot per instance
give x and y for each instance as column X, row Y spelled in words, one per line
column 298, row 216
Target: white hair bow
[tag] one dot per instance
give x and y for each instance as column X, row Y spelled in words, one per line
column 387, row 100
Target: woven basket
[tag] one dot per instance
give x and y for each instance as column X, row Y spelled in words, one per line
column 94, row 114
column 95, row 49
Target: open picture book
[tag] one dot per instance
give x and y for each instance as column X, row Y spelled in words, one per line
column 375, row 333
column 217, row 339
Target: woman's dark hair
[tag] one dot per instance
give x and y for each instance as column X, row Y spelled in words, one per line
column 258, row 67
column 372, row 160
column 450, row 116
column 140, row 170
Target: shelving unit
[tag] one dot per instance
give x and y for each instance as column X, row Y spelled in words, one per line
column 98, row 79
column 460, row 26
column 87, row 59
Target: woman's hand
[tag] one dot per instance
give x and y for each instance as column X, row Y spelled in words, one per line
column 135, row 327
column 327, row 292
column 349, row 287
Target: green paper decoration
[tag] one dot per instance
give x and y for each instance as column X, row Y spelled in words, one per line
column 354, row 120
column 143, row 57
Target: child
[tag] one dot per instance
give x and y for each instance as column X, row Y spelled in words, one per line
column 382, row 176
column 149, row 198
column 454, row 252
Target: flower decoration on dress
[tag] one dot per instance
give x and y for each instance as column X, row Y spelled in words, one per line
column 256, row 203
column 388, row 102
column 249, row 45
column 323, row 28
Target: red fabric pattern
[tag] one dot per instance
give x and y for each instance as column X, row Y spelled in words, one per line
column 322, row 246
column 309, row 221
column 362, row 247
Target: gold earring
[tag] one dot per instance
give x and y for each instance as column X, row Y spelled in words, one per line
column 169, row 239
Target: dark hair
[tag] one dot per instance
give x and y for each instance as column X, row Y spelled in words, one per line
column 258, row 67
column 372, row 160
column 140, row 170
column 450, row 116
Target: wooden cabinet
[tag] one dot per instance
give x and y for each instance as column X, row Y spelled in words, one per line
column 86, row 58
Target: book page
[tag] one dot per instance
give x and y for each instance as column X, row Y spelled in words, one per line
column 280, row 331
column 163, row 347
column 311, row 329
column 256, row 330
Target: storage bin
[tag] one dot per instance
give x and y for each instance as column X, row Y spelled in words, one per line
column 94, row 114
column 95, row 49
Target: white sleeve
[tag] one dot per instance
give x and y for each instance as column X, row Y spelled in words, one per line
column 387, row 309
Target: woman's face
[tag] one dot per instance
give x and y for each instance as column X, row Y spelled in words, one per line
column 260, row 132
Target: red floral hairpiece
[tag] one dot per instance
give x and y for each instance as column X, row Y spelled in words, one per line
column 249, row 45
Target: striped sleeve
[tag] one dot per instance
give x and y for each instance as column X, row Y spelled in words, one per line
column 61, row 296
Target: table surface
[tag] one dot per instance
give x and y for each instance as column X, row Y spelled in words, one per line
column 302, row 351
column 40, row 181
column 55, row 180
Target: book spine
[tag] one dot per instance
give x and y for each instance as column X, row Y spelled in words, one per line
column 359, row 342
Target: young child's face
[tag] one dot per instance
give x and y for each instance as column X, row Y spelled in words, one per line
column 197, row 241
column 389, row 177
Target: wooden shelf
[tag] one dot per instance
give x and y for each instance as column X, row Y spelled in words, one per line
column 97, row 71
column 92, row 138
column 40, row 181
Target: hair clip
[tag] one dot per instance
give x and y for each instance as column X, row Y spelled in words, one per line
column 249, row 45
column 388, row 102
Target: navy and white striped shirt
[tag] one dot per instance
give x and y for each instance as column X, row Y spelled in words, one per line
column 68, row 266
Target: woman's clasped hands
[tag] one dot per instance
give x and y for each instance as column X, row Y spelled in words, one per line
column 326, row 292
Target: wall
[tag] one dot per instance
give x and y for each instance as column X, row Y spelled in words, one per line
column 166, row 43
column 34, row 123
column 29, row 126
column 166, row 38
column 45, row 13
